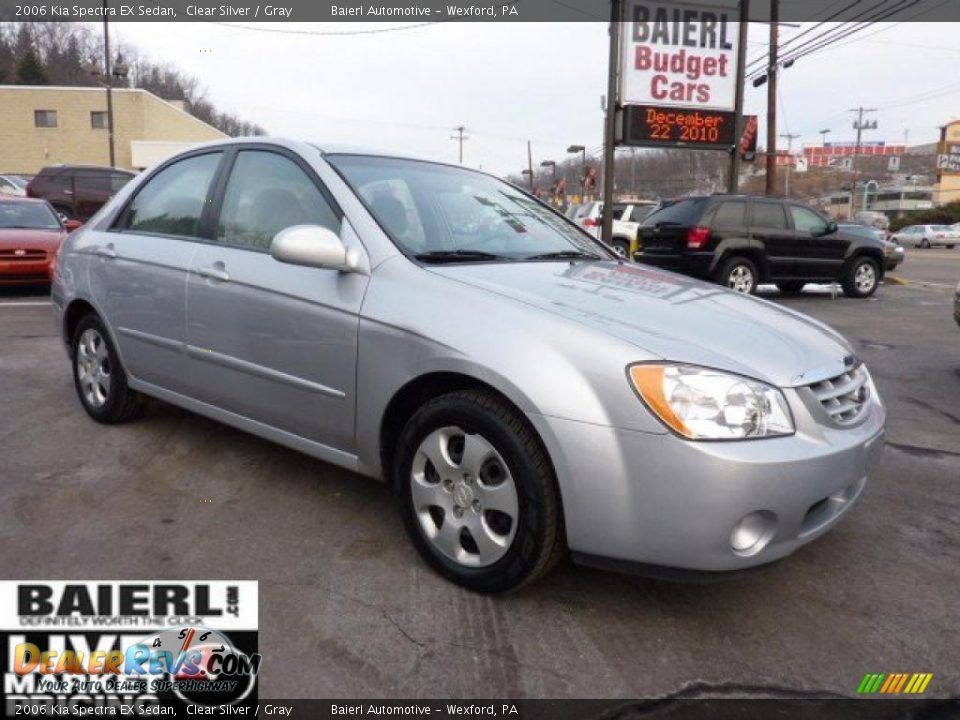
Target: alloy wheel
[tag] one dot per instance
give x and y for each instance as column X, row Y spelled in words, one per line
column 865, row 277
column 740, row 279
column 464, row 497
column 93, row 368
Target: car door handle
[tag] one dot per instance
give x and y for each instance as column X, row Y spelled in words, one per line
column 107, row 251
column 214, row 273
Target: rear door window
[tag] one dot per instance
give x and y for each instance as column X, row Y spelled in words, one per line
column 172, row 201
column 769, row 216
column 729, row 214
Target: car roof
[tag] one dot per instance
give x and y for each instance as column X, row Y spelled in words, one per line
column 60, row 168
column 21, row 199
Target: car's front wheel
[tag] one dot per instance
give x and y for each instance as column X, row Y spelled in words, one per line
column 924, row 243
column 740, row 274
column 479, row 497
column 862, row 278
column 621, row 247
column 99, row 377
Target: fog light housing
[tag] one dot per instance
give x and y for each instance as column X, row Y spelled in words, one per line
column 753, row 532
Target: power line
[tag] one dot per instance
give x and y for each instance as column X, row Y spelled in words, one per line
column 842, row 31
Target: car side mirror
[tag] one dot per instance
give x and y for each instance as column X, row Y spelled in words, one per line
column 72, row 225
column 313, row 246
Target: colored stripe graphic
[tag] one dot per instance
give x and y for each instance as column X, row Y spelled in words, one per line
column 894, row 683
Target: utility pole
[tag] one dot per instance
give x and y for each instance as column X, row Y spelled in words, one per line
column 772, row 98
column 610, row 127
column 789, row 138
column 859, row 125
column 460, row 137
column 530, row 166
column 108, row 78
column 733, row 181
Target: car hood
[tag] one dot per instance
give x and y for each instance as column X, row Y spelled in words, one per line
column 670, row 316
column 20, row 239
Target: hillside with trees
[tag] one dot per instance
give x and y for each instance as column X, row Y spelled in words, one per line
column 71, row 54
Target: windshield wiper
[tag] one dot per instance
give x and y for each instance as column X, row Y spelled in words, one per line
column 563, row 255
column 438, row 256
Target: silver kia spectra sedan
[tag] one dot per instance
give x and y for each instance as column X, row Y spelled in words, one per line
column 525, row 391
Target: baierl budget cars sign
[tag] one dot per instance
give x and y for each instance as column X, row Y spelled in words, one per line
column 679, row 54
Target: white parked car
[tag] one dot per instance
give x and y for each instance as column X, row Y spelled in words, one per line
column 13, row 185
column 927, row 236
column 626, row 222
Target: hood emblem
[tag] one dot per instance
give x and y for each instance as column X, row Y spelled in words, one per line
column 20, row 251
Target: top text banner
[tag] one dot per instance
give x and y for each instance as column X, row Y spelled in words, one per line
column 679, row 55
column 388, row 12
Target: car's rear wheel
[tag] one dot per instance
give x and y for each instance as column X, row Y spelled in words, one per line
column 739, row 274
column 479, row 497
column 862, row 278
column 621, row 247
column 99, row 377
column 949, row 247
column 790, row 287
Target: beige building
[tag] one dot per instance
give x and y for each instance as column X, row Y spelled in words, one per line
column 948, row 164
column 45, row 125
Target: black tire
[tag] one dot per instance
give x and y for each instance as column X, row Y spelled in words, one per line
column 732, row 266
column 120, row 403
column 621, row 247
column 791, row 287
column 925, row 244
column 949, row 247
column 854, row 288
column 538, row 542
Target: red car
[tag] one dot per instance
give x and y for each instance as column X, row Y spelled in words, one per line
column 30, row 236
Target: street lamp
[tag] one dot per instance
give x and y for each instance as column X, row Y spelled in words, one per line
column 529, row 174
column 553, row 186
column 120, row 70
column 583, row 168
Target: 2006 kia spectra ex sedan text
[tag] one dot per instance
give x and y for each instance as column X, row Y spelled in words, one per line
column 524, row 390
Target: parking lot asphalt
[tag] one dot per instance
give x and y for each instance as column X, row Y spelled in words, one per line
column 347, row 609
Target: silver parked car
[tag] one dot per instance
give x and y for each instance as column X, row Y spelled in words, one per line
column 524, row 390
column 927, row 236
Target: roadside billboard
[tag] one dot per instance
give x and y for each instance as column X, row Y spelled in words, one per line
column 681, row 55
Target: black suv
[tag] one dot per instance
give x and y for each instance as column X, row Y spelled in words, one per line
column 740, row 241
column 77, row 191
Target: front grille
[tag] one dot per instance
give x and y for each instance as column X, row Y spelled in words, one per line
column 22, row 255
column 843, row 397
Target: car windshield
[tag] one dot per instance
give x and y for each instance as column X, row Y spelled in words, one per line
column 27, row 215
column 443, row 213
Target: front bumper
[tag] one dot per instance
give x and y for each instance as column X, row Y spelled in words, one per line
column 659, row 500
column 24, row 272
column 695, row 264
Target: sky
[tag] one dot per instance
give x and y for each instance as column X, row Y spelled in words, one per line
column 513, row 82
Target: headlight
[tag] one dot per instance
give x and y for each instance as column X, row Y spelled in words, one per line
column 703, row 404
